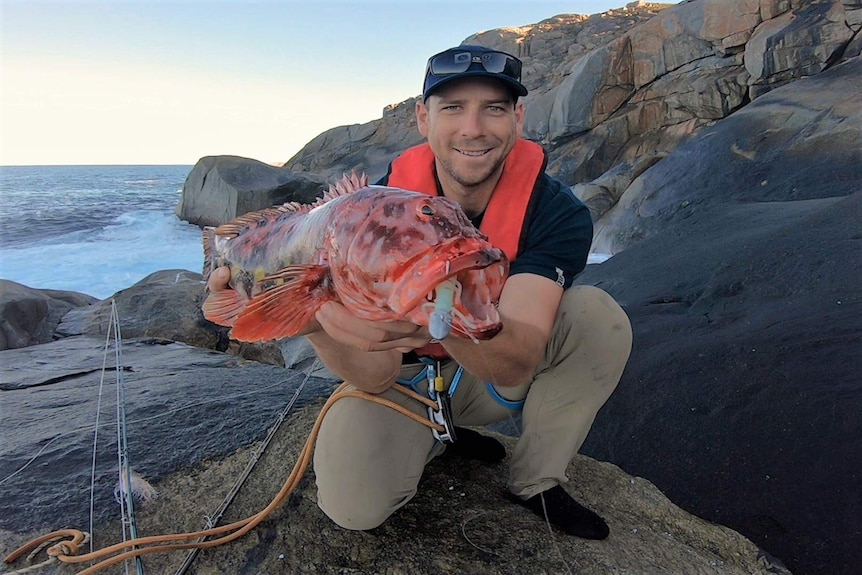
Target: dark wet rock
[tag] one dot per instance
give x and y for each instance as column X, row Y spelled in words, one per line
column 741, row 399
column 29, row 316
column 183, row 405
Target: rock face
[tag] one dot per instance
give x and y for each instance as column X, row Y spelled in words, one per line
column 800, row 142
column 220, row 188
column 628, row 84
column 734, row 264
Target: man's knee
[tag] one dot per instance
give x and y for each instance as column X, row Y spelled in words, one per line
column 354, row 515
column 597, row 315
column 367, row 462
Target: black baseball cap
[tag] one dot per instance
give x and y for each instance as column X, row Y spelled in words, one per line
column 471, row 62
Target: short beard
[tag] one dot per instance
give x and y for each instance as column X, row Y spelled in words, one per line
column 475, row 181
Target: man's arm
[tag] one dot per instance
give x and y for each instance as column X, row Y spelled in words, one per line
column 368, row 354
column 528, row 308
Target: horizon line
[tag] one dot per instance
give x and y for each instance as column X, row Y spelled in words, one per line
column 88, row 165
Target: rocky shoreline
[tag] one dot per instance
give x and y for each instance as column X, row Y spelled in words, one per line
column 719, row 147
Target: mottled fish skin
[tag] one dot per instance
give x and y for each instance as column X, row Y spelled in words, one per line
column 380, row 251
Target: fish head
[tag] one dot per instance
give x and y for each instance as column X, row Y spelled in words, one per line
column 403, row 246
column 475, row 272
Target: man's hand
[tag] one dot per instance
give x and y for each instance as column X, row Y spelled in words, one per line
column 344, row 327
column 219, row 279
column 364, row 353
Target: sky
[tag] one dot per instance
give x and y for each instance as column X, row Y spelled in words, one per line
column 169, row 81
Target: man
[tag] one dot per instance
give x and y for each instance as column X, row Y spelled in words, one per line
column 558, row 358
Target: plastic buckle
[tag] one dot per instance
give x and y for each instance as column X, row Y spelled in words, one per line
column 443, row 416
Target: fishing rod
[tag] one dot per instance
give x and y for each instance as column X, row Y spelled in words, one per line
column 234, row 491
column 125, row 492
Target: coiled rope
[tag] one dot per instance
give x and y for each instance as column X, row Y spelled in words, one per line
column 67, row 551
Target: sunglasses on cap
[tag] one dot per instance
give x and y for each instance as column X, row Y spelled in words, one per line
column 459, row 61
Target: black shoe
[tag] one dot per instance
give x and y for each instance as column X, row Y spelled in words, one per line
column 560, row 510
column 474, row 445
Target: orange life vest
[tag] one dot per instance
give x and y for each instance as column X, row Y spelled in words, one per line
column 503, row 221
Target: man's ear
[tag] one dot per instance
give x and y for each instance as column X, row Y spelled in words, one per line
column 520, row 115
column 422, row 118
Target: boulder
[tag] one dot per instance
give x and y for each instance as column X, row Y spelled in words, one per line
column 220, row 188
column 165, row 305
column 195, row 419
column 29, row 316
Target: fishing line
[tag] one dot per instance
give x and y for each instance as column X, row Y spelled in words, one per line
column 95, row 435
column 66, row 551
column 554, row 543
column 124, row 467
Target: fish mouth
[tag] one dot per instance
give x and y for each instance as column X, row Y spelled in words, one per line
column 479, row 274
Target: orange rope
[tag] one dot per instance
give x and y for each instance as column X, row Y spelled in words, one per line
column 67, row 551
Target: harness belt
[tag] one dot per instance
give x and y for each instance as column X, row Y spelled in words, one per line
column 441, row 394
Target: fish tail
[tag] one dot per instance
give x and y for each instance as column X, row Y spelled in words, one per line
column 224, row 306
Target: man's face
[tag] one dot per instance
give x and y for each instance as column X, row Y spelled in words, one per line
column 471, row 126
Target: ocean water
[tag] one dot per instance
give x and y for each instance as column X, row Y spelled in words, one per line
column 96, row 229
column 93, row 229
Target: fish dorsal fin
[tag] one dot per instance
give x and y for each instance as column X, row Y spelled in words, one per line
column 346, row 185
column 238, row 225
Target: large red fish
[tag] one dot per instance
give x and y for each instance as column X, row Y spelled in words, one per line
column 385, row 253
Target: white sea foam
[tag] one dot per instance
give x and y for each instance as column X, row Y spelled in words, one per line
column 102, row 262
column 93, row 229
column 597, row 258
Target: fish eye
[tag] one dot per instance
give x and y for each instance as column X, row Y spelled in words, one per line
column 426, row 210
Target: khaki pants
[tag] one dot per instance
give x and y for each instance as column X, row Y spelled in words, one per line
column 369, row 458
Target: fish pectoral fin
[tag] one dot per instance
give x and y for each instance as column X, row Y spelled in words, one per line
column 224, row 307
column 284, row 310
